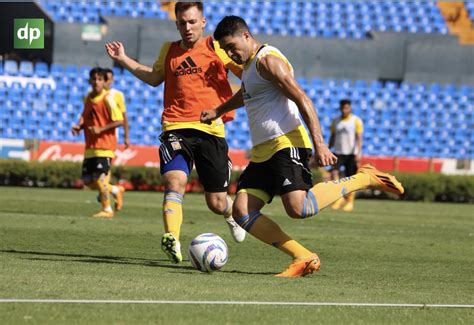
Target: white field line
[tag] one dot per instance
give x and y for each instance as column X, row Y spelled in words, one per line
column 204, row 302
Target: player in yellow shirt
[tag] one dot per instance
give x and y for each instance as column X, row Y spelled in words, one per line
column 281, row 147
column 194, row 72
column 346, row 141
column 120, row 101
column 99, row 120
column 119, row 98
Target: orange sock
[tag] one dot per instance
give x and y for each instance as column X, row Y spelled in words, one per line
column 265, row 229
column 173, row 212
column 103, row 186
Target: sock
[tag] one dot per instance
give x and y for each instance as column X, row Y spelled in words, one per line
column 266, row 230
column 228, row 207
column 103, row 187
column 173, row 212
column 323, row 194
column 350, row 197
column 114, row 189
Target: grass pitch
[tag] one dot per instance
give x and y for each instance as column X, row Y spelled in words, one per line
column 383, row 252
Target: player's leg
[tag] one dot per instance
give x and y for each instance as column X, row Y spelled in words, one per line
column 100, row 167
column 351, row 169
column 214, row 169
column 335, row 174
column 303, row 205
column 117, row 192
column 221, row 203
column 174, row 177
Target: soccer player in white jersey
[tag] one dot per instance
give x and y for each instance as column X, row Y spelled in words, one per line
column 281, row 146
column 346, row 141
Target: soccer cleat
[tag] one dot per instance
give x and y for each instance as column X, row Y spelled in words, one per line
column 118, row 198
column 338, row 204
column 302, row 268
column 104, row 214
column 348, row 207
column 381, row 180
column 236, row 231
column 172, row 247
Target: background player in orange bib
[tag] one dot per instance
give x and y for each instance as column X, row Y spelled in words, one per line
column 99, row 119
column 194, row 71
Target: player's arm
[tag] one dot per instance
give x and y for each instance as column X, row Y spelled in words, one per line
column 126, row 129
column 207, row 116
column 76, row 128
column 276, row 70
column 116, row 51
column 123, row 108
column 116, row 118
column 358, row 139
column 332, row 137
column 111, row 125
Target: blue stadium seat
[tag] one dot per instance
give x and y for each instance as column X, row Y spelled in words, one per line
column 41, row 70
column 26, row 68
column 10, row 68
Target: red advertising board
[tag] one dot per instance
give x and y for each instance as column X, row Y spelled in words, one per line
column 132, row 156
column 148, row 156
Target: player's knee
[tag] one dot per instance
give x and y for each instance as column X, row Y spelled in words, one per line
column 216, row 202
column 216, row 206
column 176, row 184
column 239, row 211
column 294, row 212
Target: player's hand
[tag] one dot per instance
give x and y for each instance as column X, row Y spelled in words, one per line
column 126, row 142
column 324, row 156
column 75, row 129
column 95, row 130
column 115, row 50
column 208, row 116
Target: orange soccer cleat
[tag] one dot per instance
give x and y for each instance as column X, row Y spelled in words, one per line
column 301, row 268
column 381, row 180
column 104, row 214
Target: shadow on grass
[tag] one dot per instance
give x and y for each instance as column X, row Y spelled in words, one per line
column 104, row 259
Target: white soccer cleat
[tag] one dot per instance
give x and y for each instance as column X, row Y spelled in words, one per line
column 236, row 231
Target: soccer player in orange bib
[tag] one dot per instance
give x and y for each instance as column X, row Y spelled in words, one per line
column 99, row 119
column 281, row 147
column 194, row 71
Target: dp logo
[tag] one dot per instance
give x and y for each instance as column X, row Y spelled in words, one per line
column 28, row 34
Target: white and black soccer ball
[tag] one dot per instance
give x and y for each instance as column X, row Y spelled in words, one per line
column 208, row 252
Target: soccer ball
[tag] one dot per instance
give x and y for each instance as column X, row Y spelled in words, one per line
column 208, row 252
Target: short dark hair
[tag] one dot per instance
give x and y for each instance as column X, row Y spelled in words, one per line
column 343, row 102
column 99, row 71
column 230, row 25
column 185, row 5
column 108, row 70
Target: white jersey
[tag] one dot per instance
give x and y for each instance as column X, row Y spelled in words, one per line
column 344, row 132
column 270, row 113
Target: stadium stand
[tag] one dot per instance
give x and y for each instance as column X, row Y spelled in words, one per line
column 341, row 19
column 408, row 120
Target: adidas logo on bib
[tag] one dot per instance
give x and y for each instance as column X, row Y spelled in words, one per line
column 287, row 182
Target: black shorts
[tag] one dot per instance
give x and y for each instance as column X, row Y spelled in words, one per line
column 210, row 155
column 287, row 170
column 92, row 168
column 349, row 162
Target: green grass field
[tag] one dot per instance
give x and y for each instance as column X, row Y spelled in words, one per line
column 383, row 252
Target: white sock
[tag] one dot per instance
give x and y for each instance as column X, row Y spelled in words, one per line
column 108, row 209
column 115, row 190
